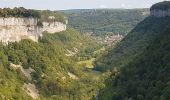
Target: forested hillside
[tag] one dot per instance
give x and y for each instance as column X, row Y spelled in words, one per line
column 147, row 76
column 103, row 22
column 55, row 72
column 140, row 62
column 133, row 44
column 72, row 65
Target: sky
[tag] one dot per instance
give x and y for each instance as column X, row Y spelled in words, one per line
column 77, row 4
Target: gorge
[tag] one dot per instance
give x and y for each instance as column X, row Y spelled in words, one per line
column 46, row 58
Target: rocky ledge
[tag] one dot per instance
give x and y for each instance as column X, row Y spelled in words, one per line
column 161, row 9
column 14, row 29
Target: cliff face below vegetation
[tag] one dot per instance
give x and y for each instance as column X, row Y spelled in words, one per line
column 161, row 9
column 14, row 29
column 53, row 27
column 160, row 13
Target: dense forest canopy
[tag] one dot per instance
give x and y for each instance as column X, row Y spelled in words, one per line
column 102, row 22
column 133, row 44
column 146, row 77
column 42, row 15
column 56, row 16
column 165, row 5
column 19, row 12
column 49, row 59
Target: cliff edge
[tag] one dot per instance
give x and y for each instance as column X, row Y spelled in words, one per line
column 161, row 9
column 17, row 26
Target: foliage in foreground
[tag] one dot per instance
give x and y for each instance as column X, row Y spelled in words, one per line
column 48, row 58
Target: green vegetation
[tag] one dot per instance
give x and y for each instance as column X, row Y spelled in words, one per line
column 18, row 12
column 146, row 77
column 41, row 15
column 10, row 81
column 165, row 5
column 133, row 44
column 102, row 22
column 87, row 63
column 56, row 16
column 68, row 64
column 48, row 59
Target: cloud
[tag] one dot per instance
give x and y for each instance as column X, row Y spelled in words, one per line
column 126, row 6
column 103, row 6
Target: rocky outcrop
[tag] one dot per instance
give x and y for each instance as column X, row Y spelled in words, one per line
column 31, row 90
column 161, row 9
column 160, row 13
column 14, row 29
column 53, row 27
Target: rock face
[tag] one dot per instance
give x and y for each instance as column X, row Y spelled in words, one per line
column 53, row 27
column 160, row 13
column 14, row 29
column 161, row 9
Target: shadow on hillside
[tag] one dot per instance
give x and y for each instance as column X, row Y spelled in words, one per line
column 133, row 44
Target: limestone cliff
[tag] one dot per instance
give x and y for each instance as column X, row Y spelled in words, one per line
column 53, row 27
column 161, row 9
column 160, row 13
column 14, row 29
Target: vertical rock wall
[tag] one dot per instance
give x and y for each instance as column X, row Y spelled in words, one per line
column 14, row 29
column 160, row 13
column 54, row 27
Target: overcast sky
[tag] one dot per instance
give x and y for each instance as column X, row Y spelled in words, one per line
column 77, row 4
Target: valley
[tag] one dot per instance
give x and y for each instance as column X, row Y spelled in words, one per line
column 85, row 54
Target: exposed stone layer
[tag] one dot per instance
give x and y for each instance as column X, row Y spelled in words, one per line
column 53, row 27
column 14, row 29
column 160, row 13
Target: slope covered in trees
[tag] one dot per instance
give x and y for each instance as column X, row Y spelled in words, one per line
column 57, row 76
column 103, row 22
column 62, row 62
column 147, row 76
column 133, row 44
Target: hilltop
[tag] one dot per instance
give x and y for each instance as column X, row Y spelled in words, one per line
column 165, row 5
column 161, row 9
